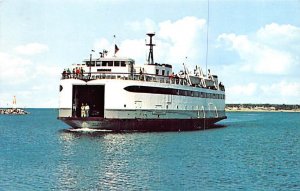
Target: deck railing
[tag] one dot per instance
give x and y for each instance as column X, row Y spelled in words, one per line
column 87, row 76
column 126, row 76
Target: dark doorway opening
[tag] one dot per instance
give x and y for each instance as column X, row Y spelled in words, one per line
column 93, row 95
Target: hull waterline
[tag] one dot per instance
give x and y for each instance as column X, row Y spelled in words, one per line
column 142, row 124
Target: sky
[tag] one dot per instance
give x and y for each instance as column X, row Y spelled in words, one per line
column 253, row 45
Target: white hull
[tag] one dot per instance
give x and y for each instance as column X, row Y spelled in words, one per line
column 119, row 103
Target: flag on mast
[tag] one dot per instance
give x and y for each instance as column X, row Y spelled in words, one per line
column 116, row 49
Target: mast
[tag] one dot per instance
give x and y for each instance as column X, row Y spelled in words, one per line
column 206, row 57
column 150, row 56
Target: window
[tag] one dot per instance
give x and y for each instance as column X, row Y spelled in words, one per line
column 163, row 72
column 104, row 63
column 117, row 63
column 123, row 63
column 88, row 63
column 157, row 71
column 98, row 63
column 110, row 63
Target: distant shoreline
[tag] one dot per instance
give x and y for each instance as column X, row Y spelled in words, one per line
column 262, row 108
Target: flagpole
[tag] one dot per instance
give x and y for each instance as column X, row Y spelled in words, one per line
column 114, row 45
column 90, row 65
column 90, row 73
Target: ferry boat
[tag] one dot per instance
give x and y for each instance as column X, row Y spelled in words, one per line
column 113, row 93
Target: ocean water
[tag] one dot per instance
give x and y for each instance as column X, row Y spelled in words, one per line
column 255, row 151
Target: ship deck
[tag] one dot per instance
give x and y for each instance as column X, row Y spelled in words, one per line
column 88, row 76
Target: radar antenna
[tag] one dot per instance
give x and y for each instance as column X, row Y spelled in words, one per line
column 150, row 56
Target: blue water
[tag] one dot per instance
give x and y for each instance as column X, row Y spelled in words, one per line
column 255, row 151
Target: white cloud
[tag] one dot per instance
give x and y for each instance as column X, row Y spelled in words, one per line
column 243, row 90
column 181, row 29
column 266, row 52
column 31, row 48
column 33, row 83
column 135, row 49
column 279, row 34
column 175, row 40
column 280, row 92
column 47, row 71
column 241, row 93
column 184, row 38
column 269, row 56
column 18, row 70
column 14, row 70
column 282, row 88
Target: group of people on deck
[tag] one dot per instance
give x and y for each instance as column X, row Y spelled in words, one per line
column 76, row 73
column 85, row 110
column 172, row 75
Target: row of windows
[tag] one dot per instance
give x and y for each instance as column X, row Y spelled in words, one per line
column 172, row 91
column 106, row 63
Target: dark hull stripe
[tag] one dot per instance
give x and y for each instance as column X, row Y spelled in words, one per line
column 142, row 124
column 172, row 91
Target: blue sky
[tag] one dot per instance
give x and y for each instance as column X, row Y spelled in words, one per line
column 254, row 45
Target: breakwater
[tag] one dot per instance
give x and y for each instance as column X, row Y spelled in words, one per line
column 12, row 111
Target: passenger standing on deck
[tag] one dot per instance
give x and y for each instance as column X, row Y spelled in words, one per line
column 82, row 110
column 64, row 74
column 77, row 73
column 81, row 71
column 141, row 74
column 87, row 110
column 73, row 72
column 68, row 73
column 74, row 110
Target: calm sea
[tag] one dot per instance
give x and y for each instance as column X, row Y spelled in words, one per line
column 255, row 151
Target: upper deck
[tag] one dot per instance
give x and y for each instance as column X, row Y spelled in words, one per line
column 125, row 69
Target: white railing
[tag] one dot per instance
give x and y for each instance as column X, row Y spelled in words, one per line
column 126, row 76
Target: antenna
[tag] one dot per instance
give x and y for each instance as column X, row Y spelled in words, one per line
column 207, row 36
column 150, row 56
